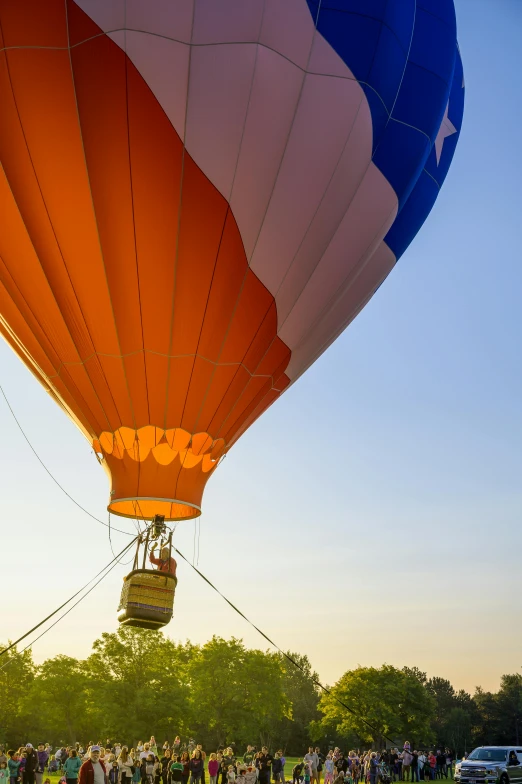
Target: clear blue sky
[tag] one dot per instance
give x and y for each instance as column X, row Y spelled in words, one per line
column 379, row 519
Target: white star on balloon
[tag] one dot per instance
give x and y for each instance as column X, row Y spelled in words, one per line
column 446, row 129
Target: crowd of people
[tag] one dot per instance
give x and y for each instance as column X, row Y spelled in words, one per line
column 188, row 763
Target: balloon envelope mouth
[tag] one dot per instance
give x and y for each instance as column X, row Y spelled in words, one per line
column 147, row 508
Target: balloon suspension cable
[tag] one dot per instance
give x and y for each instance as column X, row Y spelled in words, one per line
column 110, row 542
column 114, row 563
column 64, row 491
column 282, row 652
column 104, row 572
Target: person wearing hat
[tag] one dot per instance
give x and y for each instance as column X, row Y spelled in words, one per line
column 93, row 770
column 31, row 765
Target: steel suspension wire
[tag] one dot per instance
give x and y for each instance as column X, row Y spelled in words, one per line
column 19, row 653
column 69, row 496
column 111, row 564
column 281, row 651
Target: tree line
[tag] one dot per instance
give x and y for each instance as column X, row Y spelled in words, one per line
column 136, row 682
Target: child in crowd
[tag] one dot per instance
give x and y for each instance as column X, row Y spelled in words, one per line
column 136, row 776
column 114, row 773
column 4, row 773
column 283, row 763
column 176, row 769
column 241, row 775
column 150, row 770
column 53, row 764
column 213, row 767
column 329, row 768
column 297, row 773
column 251, row 775
column 157, row 770
column 307, row 773
column 13, row 766
column 231, row 775
column 21, row 769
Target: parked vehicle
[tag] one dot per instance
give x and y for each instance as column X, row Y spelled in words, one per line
column 490, row 764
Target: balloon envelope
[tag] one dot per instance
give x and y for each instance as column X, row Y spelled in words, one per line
column 197, row 197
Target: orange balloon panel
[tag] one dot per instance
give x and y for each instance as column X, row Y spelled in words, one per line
column 124, row 284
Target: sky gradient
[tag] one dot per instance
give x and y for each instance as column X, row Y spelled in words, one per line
column 373, row 514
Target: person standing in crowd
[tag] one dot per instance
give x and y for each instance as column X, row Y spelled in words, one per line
column 196, row 767
column 125, row 765
column 320, row 762
column 71, row 767
column 248, row 756
column 176, row 746
column 199, row 748
column 31, row 764
column 264, row 766
column 355, row 766
column 176, row 770
column 329, row 768
column 277, row 767
column 283, row 763
column 226, row 760
column 441, row 763
column 449, row 763
column 93, row 771
column 13, row 766
column 422, row 762
column 153, row 746
column 340, row 763
column 185, row 761
column 166, row 762
column 213, row 768
column 148, row 768
column 43, row 756
column 407, row 758
column 4, row 772
column 415, row 766
column 373, row 768
column 313, row 761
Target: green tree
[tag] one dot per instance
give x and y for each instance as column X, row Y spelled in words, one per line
column 139, row 683
column 485, row 730
column 458, row 730
column 509, row 709
column 17, row 673
column 384, row 702
column 293, row 731
column 236, row 694
column 444, row 700
column 59, row 700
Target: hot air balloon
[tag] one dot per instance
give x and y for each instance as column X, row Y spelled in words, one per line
column 197, row 197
